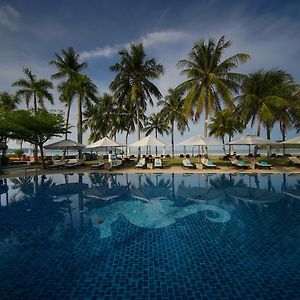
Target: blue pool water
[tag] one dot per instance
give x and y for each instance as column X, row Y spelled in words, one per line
column 134, row 236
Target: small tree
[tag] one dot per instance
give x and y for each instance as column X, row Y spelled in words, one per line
column 34, row 127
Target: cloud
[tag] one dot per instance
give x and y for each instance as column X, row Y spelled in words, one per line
column 9, row 17
column 150, row 40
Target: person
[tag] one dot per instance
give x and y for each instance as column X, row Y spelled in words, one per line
column 110, row 160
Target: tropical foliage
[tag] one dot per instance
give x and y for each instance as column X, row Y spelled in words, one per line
column 33, row 127
column 211, row 80
column 172, row 113
column 213, row 87
column 133, row 82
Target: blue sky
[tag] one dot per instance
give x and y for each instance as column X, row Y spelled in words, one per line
column 32, row 31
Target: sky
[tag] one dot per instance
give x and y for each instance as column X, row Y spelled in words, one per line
column 32, row 31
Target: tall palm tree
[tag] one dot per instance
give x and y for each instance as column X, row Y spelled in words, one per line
column 172, row 113
column 224, row 123
column 157, row 124
column 67, row 93
column 32, row 88
column 133, row 79
column 210, row 79
column 36, row 89
column 86, row 92
column 262, row 98
column 69, row 66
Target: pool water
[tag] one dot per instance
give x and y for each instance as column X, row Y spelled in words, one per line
column 155, row 236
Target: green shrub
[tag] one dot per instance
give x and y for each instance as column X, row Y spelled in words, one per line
column 18, row 153
column 4, row 160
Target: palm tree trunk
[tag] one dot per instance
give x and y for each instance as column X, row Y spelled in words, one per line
column 67, row 120
column 205, row 127
column 126, row 141
column 79, row 125
column 258, row 125
column 138, row 129
column 283, row 132
column 67, row 124
column 35, row 155
column 223, row 141
column 268, row 137
column 257, row 132
column 156, row 146
column 172, row 138
column 42, row 155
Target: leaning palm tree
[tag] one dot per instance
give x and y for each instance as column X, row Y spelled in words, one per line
column 225, row 122
column 32, row 88
column 133, row 79
column 172, row 113
column 210, row 79
column 157, row 124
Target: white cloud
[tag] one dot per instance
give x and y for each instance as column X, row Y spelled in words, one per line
column 150, row 40
column 9, row 17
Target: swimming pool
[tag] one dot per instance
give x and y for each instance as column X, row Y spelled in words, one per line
column 155, row 236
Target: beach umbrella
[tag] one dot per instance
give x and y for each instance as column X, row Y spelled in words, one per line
column 295, row 140
column 199, row 140
column 149, row 141
column 252, row 140
column 65, row 145
column 105, row 142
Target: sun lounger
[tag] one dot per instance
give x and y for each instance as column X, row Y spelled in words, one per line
column 187, row 164
column 76, row 163
column 117, row 163
column 141, row 163
column 207, row 164
column 158, row 163
column 239, row 163
column 295, row 160
column 58, row 163
column 263, row 165
column 97, row 166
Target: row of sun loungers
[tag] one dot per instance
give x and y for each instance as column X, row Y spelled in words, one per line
column 142, row 163
column 65, row 163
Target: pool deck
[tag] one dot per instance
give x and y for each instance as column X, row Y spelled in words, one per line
column 20, row 172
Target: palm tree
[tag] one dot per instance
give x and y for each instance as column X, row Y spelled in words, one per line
column 99, row 117
column 172, row 113
column 133, row 79
column 263, row 100
column 69, row 67
column 157, row 124
column 8, row 102
column 33, row 88
column 210, row 79
column 37, row 89
column 225, row 122
column 86, row 92
column 67, row 64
